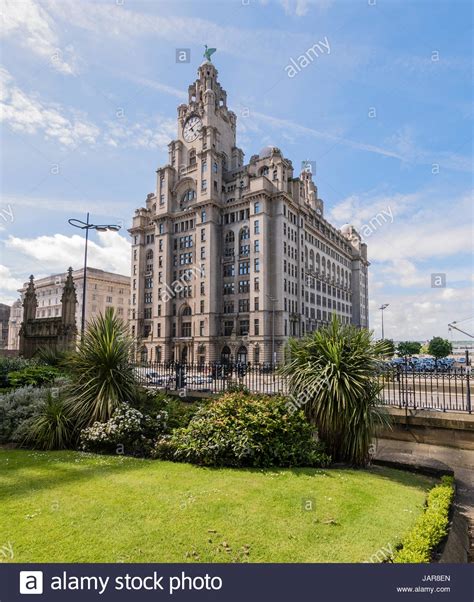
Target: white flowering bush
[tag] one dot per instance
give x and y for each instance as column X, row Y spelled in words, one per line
column 128, row 432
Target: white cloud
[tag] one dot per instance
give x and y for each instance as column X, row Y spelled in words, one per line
column 420, row 316
column 300, row 8
column 28, row 114
column 9, row 282
column 152, row 134
column 419, row 230
column 57, row 252
column 28, row 23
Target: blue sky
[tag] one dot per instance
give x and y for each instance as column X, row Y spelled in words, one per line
column 89, row 99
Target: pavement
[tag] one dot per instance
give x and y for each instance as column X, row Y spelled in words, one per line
column 460, row 460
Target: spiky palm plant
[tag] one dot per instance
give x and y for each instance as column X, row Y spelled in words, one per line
column 52, row 428
column 101, row 373
column 333, row 377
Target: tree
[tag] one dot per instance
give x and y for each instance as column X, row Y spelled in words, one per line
column 101, row 373
column 439, row 347
column 405, row 348
column 390, row 345
column 332, row 375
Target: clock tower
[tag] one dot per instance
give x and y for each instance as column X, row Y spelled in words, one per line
column 230, row 259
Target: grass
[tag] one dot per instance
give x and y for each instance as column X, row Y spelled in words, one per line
column 76, row 507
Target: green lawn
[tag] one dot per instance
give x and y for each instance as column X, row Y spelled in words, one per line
column 75, row 507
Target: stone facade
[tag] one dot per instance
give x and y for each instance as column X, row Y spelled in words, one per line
column 104, row 289
column 230, row 259
column 56, row 333
column 4, row 318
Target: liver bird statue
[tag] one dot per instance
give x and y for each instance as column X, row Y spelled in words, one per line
column 209, row 52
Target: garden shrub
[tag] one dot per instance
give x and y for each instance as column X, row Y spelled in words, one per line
column 11, row 364
column 431, row 527
column 17, row 408
column 127, row 432
column 36, row 376
column 52, row 428
column 179, row 412
column 244, row 430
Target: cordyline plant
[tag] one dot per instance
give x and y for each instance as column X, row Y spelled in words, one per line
column 102, row 375
column 334, row 372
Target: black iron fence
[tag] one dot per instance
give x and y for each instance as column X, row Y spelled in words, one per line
column 443, row 389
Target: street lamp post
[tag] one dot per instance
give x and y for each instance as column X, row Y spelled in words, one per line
column 77, row 223
column 273, row 300
column 382, row 307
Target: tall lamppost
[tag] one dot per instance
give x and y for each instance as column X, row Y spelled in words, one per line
column 273, row 300
column 382, row 307
column 77, row 223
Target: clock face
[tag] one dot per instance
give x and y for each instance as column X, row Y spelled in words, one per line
column 192, row 128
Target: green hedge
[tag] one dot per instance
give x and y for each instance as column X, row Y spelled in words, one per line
column 431, row 527
column 34, row 376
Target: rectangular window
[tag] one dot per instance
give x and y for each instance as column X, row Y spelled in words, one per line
column 244, row 268
column 203, row 235
column 257, row 265
column 256, row 227
column 256, row 304
column 228, row 307
column 256, row 246
column 256, row 327
column 244, row 286
column 244, row 305
column 201, row 328
column 228, row 328
column 256, row 284
column 204, row 185
column 202, row 306
column 243, row 328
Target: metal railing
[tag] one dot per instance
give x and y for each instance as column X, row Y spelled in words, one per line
column 446, row 390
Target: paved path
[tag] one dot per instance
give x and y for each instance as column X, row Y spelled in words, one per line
column 460, row 460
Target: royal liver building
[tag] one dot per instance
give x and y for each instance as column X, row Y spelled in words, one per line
column 230, row 259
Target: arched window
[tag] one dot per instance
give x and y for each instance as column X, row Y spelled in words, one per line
column 244, row 233
column 158, row 355
column 144, row 354
column 264, row 171
column 318, row 262
column 242, row 355
column 192, row 158
column 188, row 196
column 225, row 355
column 324, row 266
column 186, row 311
column 311, row 259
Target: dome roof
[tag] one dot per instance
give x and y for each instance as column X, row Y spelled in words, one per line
column 267, row 151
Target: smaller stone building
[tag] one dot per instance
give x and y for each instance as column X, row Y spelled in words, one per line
column 57, row 333
column 4, row 317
